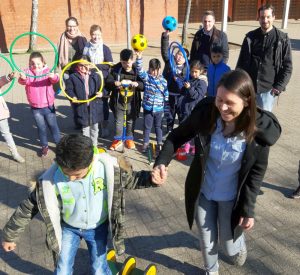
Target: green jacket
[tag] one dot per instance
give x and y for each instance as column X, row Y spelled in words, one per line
column 43, row 199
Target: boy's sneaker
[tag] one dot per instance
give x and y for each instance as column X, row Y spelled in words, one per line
column 296, row 193
column 145, row 148
column 130, row 144
column 116, row 145
column 44, row 151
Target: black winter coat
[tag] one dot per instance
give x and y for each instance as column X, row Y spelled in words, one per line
column 282, row 59
column 254, row 162
column 85, row 114
column 218, row 38
column 117, row 100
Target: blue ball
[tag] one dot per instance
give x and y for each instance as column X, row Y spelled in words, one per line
column 169, row 23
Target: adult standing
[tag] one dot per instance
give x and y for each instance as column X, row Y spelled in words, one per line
column 71, row 43
column 232, row 141
column 266, row 56
column 207, row 37
column 70, row 48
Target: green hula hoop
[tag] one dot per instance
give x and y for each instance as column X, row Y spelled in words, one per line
column 40, row 35
column 13, row 81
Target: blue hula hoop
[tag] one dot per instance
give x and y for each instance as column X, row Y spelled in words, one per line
column 174, row 45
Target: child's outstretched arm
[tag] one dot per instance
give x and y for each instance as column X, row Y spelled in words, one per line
column 6, row 79
column 139, row 66
column 165, row 46
column 18, row 221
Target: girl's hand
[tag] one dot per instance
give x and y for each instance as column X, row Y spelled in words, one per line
column 187, row 85
column 8, row 246
column 246, row 223
column 22, row 76
column 51, row 75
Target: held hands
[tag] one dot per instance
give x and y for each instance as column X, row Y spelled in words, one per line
column 246, row 223
column 8, row 246
column 159, row 174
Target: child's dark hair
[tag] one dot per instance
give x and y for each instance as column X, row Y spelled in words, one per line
column 37, row 55
column 154, row 64
column 197, row 65
column 71, row 18
column 126, row 54
column 217, row 49
column 74, row 152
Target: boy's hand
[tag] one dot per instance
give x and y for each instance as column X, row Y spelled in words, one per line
column 8, row 246
column 134, row 84
column 139, row 54
column 118, row 83
column 22, row 76
column 159, row 174
column 187, row 85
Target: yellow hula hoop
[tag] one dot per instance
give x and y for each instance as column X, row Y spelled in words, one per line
column 87, row 62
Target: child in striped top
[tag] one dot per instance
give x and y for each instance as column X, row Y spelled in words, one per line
column 155, row 98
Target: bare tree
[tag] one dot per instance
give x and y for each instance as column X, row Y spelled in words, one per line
column 186, row 22
column 34, row 24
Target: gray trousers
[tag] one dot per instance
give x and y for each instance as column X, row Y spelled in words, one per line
column 5, row 132
column 91, row 132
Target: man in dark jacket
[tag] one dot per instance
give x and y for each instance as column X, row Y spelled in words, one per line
column 266, row 56
column 206, row 38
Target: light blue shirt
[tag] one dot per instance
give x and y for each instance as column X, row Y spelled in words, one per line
column 223, row 166
column 84, row 201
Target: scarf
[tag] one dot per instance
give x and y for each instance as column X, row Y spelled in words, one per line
column 95, row 52
column 63, row 47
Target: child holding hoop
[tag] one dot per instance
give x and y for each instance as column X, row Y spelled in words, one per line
column 4, row 127
column 175, row 81
column 84, row 84
column 41, row 96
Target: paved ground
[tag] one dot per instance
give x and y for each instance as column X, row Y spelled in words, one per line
column 157, row 229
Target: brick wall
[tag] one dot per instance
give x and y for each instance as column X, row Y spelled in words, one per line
column 146, row 17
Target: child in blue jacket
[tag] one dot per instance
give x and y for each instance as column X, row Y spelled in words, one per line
column 155, row 98
column 216, row 69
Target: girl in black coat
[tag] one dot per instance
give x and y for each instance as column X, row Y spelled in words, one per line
column 232, row 139
column 84, row 84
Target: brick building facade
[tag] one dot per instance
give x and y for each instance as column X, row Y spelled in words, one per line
column 145, row 17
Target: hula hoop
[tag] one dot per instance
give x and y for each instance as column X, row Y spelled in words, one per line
column 171, row 59
column 13, row 81
column 40, row 35
column 64, row 91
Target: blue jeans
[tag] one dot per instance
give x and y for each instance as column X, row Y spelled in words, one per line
column 265, row 100
column 214, row 221
column 43, row 117
column 96, row 240
column 149, row 118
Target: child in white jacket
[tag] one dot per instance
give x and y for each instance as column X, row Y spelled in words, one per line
column 4, row 127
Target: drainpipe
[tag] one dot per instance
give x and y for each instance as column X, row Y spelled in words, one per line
column 285, row 16
column 224, row 16
column 128, row 23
